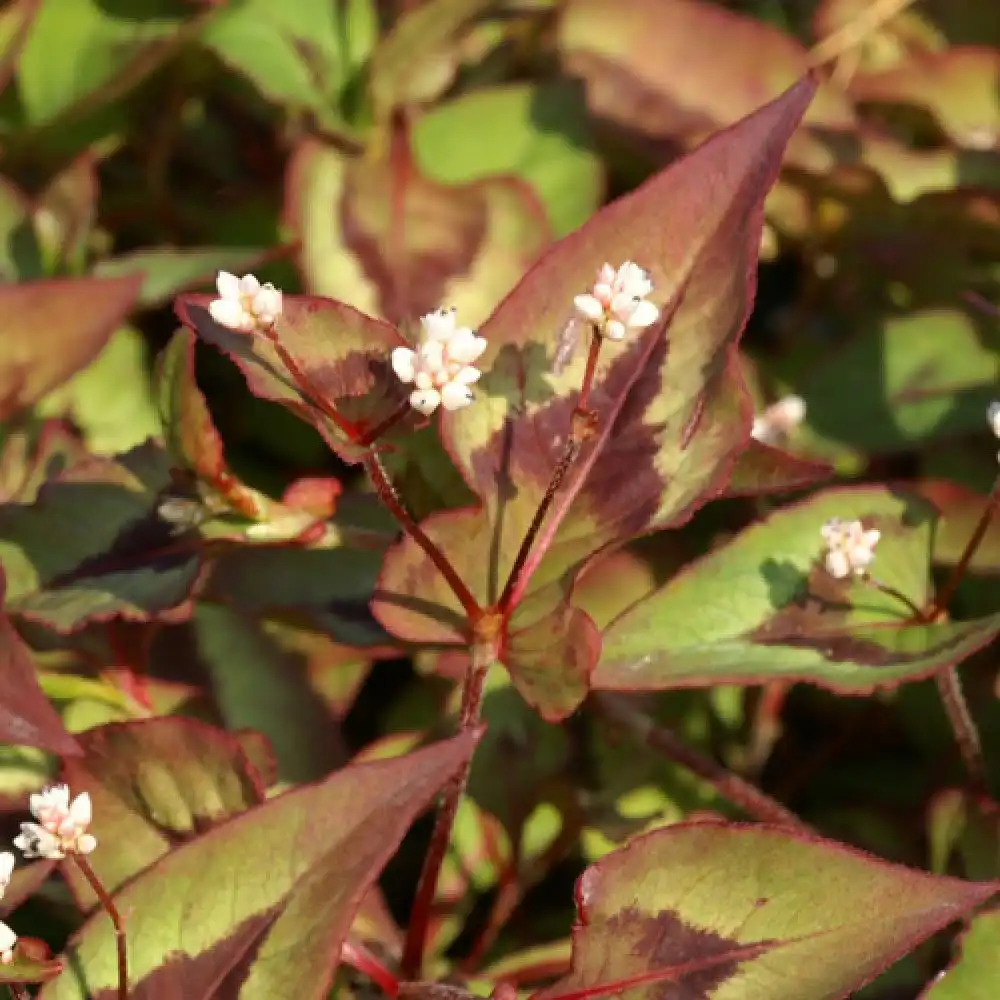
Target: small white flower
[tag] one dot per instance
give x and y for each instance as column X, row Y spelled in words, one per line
column 441, row 367
column 62, row 825
column 244, row 303
column 7, row 862
column 8, row 941
column 618, row 303
column 779, row 420
column 849, row 548
column 993, row 416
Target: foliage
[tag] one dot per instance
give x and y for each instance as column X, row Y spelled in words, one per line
column 268, row 598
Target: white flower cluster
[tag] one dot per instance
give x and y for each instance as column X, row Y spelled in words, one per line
column 440, row 368
column 849, row 548
column 618, row 303
column 8, row 939
column 779, row 420
column 61, row 826
column 245, row 304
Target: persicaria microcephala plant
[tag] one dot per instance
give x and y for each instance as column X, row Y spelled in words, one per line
column 500, row 489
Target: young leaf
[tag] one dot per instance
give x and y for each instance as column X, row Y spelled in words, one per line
column 717, row 910
column 320, row 847
column 975, row 972
column 54, row 328
column 26, row 717
column 671, row 411
column 764, row 608
column 154, row 783
column 344, row 383
column 27, row 969
column 378, row 234
column 92, row 546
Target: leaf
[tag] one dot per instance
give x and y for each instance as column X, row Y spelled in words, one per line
column 958, row 86
column 715, row 910
column 343, row 353
column 379, row 235
column 960, row 510
column 322, row 848
column 94, row 46
column 539, row 133
column 155, row 783
column 26, row 717
column 914, row 378
column 92, row 546
column 168, row 270
column 27, row 969
column 19, row 254
column 763, row 608
column 15, row 22
column 259, row 685
column 54, row 328
column 763, row 469
column 64, row 215
column 681, row 68
column 109, row 401
column 975, row 972
column 671, row 420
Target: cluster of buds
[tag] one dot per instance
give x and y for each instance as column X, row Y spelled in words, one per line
column 618, row 303
column 8, row 939
column 61, row 825
column 779, row 420
column 245, row 304
column 440, row 368
column 850, row 549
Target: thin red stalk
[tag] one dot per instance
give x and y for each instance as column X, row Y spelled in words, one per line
column 517, row 579
column 966, row 734
column 116, row 919
column 423, row 904
column 390, row 498
column 355, row 954
column 737, row 790
column 374, row 433
column 947, row 592
column 918, row 613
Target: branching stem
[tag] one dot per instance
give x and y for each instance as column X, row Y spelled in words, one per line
column 116, row 919
column 623, row 714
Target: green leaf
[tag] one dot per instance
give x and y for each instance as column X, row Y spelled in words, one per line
column 975, row 972
column 155, row 783
column 379, row 235
column 343, row 355
column 25, row 969
column 20, row 257
column 259, row 685
column 724, row 911
column 321, row 847
column 52, row 329
column 92, row 546
column 109, row 401
column 670, row 422
column 763, row 608
column 539, row 133
column 97, row 42
column 910, row 379
column 168, row 270
column 289, row 52
column 15, row 22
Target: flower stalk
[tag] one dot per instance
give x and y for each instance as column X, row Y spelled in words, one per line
column 121, row 941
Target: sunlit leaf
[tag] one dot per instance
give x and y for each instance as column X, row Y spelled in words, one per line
column 975, row 972
column 721, row 911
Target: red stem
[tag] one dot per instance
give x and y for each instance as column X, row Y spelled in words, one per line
column 472, row 703
column 390, row 498
column 374, row 433
column 582, row 424
column 355, row 954
column 737, row 790
column 947, row 592
column 109, row 905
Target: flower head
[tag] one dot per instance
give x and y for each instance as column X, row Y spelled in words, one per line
column 849, row 548
column 244, row 303
column 618, row 303
column 440, row 368
column 7, row 862
column 62, row 825
column 779, row 420
column 8, row 940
